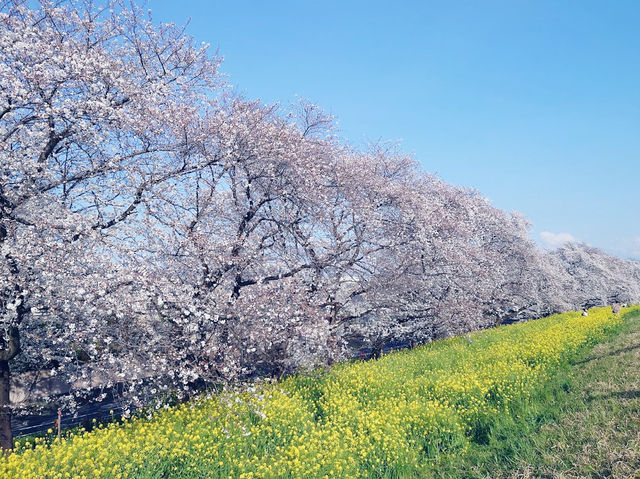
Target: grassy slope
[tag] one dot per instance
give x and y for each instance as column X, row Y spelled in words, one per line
column 528, row 410
column 586, row 424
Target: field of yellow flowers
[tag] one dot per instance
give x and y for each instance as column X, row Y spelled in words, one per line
column 376, row 419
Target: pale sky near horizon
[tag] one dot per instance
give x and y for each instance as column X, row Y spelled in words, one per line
column 534, row 103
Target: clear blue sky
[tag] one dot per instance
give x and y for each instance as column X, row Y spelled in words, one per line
column 534, row 103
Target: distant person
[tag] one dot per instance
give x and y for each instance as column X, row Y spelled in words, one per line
column 615, row 308
column 585, row 312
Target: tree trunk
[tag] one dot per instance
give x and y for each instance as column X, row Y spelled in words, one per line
column 6, row 435
column 9, row 348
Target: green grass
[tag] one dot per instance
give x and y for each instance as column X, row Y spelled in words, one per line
column 584, row 424
column 496, row 403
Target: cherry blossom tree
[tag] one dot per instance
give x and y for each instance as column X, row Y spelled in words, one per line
column 596, row 277
column 279, row 241
column 99, row 111
column 159, row 232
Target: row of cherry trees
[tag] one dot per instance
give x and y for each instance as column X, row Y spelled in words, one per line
column 160, row 227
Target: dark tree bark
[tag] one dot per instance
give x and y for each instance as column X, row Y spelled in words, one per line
column 6, row 434
column 9, row 348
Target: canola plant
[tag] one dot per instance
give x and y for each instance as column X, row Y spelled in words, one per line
column 371, row 419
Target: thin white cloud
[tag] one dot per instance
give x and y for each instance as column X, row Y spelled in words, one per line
column 553, row 240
